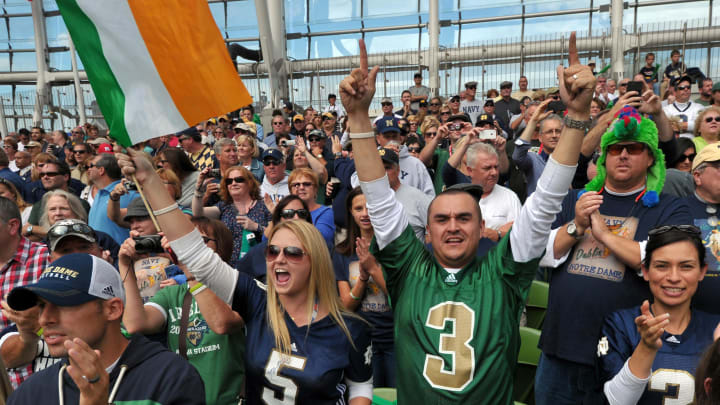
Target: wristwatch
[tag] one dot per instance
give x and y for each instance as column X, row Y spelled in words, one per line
column 572, row 230
column 28, row 230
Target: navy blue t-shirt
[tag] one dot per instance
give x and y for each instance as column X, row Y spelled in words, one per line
column 253, row 263
column 675, row 362
column 705, row 298
column 374, row 307
column 322, row 356
column 593, row 283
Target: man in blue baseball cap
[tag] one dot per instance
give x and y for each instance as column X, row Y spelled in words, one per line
column 81, row 300
column 275, row 182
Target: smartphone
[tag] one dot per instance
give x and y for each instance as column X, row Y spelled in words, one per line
column 636, row 86
column 487, row 135
column 215, row 173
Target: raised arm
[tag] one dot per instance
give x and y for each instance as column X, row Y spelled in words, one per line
column 198, row 206
column 576, row 90
column 386, row 213
column 428, row 150
column 314, row 163
column 114, row 212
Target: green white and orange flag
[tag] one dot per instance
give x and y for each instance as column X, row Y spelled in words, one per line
column 156, row 66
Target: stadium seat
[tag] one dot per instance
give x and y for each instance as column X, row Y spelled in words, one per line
column 527, row 364
column 384, row 396
column 537, row 304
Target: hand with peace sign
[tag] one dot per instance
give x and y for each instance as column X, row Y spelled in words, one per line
column 576, row 83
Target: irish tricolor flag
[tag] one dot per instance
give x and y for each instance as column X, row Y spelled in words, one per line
column 156, row 66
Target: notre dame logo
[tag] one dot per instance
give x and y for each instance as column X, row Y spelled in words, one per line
column 603, row 346
column 389, row 123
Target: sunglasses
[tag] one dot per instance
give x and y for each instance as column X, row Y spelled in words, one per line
column 313, row 139
column 710, row 119
column 238, row 180
column 689, row 157
column 471, row 87
column 208, row 239
column 632, row 149
column 555, row 97
column 689, row 229
column 431, row 134
column 290, row 214
column 292, row 253
column 414, row 150
column 445, row 113
column 278, row 123
column 61, row 230
column 623, row 84
column 305, row 184
column 385, row 104
column 90, row 166
column 79, row 152
column 162, row 161
column 270, row 162
column 435, row 104
column 49, row 174
column 682, row 87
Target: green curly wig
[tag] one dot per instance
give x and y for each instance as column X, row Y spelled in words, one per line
column 630, row 126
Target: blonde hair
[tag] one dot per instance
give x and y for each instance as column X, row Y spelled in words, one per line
column 321, row 287
column 701, row 117
column 73, row 203
column 429, row 122
column 251, row 141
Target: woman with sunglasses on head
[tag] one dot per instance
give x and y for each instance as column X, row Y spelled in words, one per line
column 248, row 151
column 219, row 353
column 648, row 353
column 289, row 208
column 241, row 208
column 178, row 161
column 303, row 182
column 707, row 127
column 362, row 288
column 306, row 348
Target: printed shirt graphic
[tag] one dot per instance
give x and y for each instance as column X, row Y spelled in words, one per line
column 672, row 378
column 705, row 298
column 592, row 259
column 149, row 272
column 218, row 358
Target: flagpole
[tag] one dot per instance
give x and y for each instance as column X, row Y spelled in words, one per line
column 147, row 205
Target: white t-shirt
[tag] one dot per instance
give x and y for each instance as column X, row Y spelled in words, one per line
column 501, row 206
column 687, row 112
column 472, row 108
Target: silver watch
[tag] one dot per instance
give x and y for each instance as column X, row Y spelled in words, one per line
column 572, row 230
column 575, row 124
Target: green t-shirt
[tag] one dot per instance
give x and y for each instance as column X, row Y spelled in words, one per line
column 456, row 335
column 218, row 358
column 441, row 156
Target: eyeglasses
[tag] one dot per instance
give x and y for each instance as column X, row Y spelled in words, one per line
column 162, row 161
column 632, row 148
column 710, row 119
column 290, row 214
column 303, row 184
column 385, row 104
column 271, row 162
column 61, row 230
column 682, row 87
column 689, row 157
column 689, row 229
column 278, row 123
column 292, row 253
column 49, row 174
column 435, row 104
column 208, row 239
column 444, row 112
column 79, row 152
column 239, row 180
column 414, row 149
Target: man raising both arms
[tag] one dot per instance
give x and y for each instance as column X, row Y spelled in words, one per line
column 465, row 348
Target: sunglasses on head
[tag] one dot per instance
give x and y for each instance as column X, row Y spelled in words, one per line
column 238, row 180
column 632, row 149
column 689, row 229
column 292, row 253
column 710, row 119
column 60, row 230
column 290, row 214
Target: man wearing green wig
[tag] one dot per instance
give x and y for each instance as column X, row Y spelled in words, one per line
column 596, row 246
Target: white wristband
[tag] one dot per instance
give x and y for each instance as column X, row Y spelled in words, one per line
column 362, row 135
column 165, row 210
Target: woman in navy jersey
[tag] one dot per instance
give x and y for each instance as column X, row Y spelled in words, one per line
column 648, row 354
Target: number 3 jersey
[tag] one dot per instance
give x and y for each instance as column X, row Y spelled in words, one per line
column 322, row 357
column 456, row 334
column 675, row 362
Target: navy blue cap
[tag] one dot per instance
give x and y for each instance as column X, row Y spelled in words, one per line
column 71, row 280
column 389, row 155
column 191, row 132
column 388, row 125
column 273, row 153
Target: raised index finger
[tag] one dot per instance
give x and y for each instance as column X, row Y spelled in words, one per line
column 363, row 56
column 572, row 51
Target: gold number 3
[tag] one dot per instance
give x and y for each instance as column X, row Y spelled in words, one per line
column 456, row 343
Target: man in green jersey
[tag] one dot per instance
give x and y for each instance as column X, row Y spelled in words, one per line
column 457, row 315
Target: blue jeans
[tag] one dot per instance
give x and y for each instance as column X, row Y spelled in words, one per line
column 383, row 361
column 562, row 382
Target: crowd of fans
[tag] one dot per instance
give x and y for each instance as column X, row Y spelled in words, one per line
column 334, row 252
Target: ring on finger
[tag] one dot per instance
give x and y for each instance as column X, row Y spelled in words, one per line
column 92, row 380
column 575, row 76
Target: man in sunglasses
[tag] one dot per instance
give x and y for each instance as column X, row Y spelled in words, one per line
column 470, row 105
column 334, row 107
column 506, row 107
column 684, row 109
column 454, row 292
column 596, row 248
column 705, row 209
column 82, row 152
column 202, row 156
column 298, row 125
column 418, row 92
column 280, row 126
column 53, row 175
column 387, row 109
column 275, row 182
